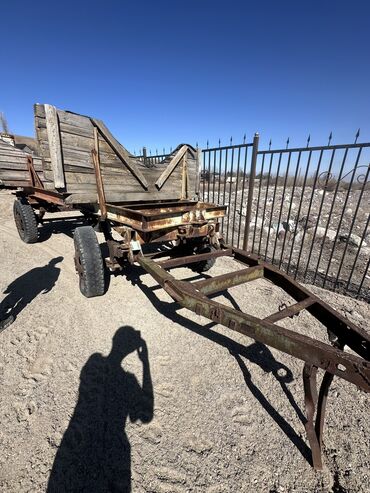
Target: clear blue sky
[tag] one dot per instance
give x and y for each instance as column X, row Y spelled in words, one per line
column 164, row 72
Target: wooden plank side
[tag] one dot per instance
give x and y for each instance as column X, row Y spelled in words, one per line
column 13, row 183
column 64, row 117
column 76, row 140
column 107, row 171
column 123, row 174
column 55, row 150
column 11, row 159
column 18, row 166
column 120, row 151
column 112, row 197
column 7, row 174
column 89, row 178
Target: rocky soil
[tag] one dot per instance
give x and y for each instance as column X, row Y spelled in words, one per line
column 98, row 394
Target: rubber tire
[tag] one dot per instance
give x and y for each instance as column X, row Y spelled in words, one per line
column 204, row 265
column 88, row 256
column 25, row 220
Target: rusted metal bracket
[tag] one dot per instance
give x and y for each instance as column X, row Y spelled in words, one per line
column 34, row 177
column 98, row 176
column 35, row 194
column 316, row 354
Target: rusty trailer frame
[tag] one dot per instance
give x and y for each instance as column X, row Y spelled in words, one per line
column 330, row 357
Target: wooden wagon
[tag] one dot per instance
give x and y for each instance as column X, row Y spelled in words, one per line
column 80, row 165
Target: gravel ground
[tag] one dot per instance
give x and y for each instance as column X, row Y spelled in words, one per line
column 128, row 388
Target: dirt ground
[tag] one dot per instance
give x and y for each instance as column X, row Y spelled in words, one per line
column 128, row 388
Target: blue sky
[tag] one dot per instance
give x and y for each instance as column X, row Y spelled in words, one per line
column 164, row 72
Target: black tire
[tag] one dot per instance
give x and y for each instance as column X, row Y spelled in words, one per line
column 89, row 262
column 204, row 265
column 26, row 221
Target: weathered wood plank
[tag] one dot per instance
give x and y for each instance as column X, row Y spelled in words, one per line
column 20, row 160
column 120, row 151
column 14, row 183
column 18, row 166
column 198, row 165
column 89, row 178
column 55, row 150
column 64, row 117
column 73, row 141
column 112, row 197
column 172, row 165
column 6, row 174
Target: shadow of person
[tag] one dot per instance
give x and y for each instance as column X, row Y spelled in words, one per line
column 95, row 453
column 25, row 288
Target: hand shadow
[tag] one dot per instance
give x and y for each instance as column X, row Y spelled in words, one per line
column 257, row 353
column 28, row 286
column 95, row 453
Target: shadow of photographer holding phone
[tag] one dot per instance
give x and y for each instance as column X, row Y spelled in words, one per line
column 95, row 453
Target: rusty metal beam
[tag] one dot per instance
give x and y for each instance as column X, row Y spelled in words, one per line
column 98, row 176
column 45, row 195
column 192, row 259
column 290, row 311
column 355, row 337
column 337, row 362
column 220, row 283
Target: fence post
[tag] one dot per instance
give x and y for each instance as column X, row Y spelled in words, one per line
column 252, row 176
column 144, row 155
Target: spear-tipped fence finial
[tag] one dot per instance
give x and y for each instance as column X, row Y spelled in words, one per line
column 330, row 137
column 219, row 142
column 357, row 135
column 287, row 143
column 231, row 141
column 308, row 140
column 207, row 144
column 244, row 138
column 270, row 145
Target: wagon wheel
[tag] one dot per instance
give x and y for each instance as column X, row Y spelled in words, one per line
column 89, row 262
column 204, row 265
column 25, row 220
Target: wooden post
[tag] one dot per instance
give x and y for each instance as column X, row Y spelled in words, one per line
column 199, row 171
column 52, row 127
column 185, row 179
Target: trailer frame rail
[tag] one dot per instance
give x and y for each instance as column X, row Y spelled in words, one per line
column 329, row 357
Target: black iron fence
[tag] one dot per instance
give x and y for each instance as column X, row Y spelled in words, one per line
column 306, row 210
